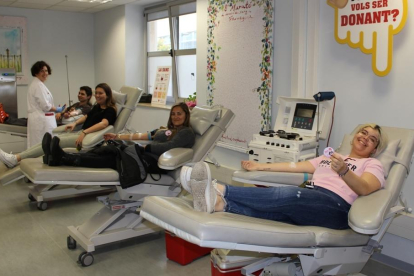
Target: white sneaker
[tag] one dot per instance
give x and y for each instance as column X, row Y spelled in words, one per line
column 10, row 160
column 199, row 179
column 185, row 176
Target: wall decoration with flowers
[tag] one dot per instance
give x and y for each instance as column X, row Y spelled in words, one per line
column 239, row 63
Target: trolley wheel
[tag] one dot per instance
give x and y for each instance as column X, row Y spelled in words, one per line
column 31, row 197
column 71, row 243
column 86, row 259
column 42, row 206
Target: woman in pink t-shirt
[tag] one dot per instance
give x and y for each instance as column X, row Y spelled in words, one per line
column 337, row 181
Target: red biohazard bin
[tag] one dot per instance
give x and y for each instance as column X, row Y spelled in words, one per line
column 181, row 251
column 230, row 265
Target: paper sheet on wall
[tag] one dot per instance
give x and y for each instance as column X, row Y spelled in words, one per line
column 239, row 64
column 162, row 81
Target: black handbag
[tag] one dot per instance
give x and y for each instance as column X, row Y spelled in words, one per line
column 127, row 165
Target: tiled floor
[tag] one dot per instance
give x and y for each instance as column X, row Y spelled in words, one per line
column 33, row 242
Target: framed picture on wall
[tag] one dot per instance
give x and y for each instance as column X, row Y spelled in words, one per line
column 13, row 46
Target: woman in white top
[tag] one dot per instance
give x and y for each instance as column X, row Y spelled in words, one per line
column 40, row 107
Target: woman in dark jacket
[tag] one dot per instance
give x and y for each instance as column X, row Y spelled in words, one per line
column 179, row 134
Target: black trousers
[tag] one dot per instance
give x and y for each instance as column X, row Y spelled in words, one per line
column 97, row 160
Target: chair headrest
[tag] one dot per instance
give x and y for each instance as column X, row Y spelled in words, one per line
column 120, row 100
column 202, row 119
column 386, row 157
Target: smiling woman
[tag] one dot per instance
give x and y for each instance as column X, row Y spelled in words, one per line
column 101, row 115
column 336, row 183
column 40, row 106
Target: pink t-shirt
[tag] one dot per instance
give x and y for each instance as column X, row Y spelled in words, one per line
column 327, row 178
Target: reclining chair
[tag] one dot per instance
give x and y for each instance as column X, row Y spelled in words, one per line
column 45, row 186
column 319, row 251
column 119, row 219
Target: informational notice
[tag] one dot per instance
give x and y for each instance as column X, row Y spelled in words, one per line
column 162, row 82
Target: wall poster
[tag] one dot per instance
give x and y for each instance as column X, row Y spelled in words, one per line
column 239, row 64
column 162, row 81
column 370, row 25
column 13, row 46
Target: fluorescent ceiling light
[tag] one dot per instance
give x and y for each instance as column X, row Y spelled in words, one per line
column 92, row 1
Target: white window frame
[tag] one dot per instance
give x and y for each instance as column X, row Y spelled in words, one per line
column 174, row 11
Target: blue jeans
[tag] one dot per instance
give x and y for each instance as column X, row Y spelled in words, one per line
column 294, row 205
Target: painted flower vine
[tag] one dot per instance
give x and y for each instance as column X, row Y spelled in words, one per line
column 215, row 6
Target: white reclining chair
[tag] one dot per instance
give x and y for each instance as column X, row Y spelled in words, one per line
column 319, row 251
column 45, row 186
column 119, row 219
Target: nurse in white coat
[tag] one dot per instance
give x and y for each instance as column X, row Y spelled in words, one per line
column 40, row 107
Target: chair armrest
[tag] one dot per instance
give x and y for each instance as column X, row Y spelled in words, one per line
column 175, row 158
column 271, row 178
column 368, row 212
column 94, row 138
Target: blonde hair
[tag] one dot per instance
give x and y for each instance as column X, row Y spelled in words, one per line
column 383, row 138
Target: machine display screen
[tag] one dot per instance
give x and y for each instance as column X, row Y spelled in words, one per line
column 304, row 116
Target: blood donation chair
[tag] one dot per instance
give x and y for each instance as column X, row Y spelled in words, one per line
column 298, row 250
column 46, row 188
column 119, row 218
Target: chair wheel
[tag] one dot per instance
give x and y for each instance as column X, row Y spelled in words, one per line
column 42, row 206
column 71, row 243
column 31, row 197
column 86, row 259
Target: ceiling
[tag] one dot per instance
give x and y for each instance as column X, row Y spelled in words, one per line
column 70, row 6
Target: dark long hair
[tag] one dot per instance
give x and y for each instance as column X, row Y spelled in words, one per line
column 184, row 107
column 110, row 101
column 38, row 66
column 186, row 123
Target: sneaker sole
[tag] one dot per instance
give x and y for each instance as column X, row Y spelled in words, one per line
column 198, row 188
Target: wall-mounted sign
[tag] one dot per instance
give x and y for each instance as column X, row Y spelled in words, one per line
column 162, row 81
column 370, row 25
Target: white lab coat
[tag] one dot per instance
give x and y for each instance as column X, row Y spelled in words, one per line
column 39, row 102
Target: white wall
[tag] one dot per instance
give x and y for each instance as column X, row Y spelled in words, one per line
column 51, row 36
column 135, row 56
column 361, row 95
column 110, row 47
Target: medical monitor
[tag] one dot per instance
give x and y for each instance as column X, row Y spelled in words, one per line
column 300, row 115
column 304, row 116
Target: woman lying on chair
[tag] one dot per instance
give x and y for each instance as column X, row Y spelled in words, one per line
column 101, row 115
column 178, row 135
column 337, row 181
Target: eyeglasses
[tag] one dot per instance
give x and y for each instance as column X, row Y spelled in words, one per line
column 44, row 71
column 371, row 139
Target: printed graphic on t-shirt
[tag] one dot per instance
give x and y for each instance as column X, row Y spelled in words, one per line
column 326, row 163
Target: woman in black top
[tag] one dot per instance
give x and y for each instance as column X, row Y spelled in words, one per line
column 102, row 114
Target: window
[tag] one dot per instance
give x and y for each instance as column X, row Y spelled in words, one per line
column 171, row 41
